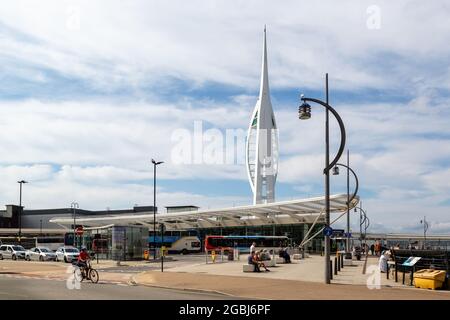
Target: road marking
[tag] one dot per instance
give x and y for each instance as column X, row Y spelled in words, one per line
column 26, row 277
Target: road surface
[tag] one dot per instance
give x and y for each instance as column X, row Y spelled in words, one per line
column 21, row 288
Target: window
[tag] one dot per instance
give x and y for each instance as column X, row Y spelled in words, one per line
column 195, row 244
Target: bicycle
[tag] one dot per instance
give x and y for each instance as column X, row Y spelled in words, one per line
column 87, row 273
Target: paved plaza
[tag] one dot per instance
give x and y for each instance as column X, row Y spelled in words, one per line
column 302, row 279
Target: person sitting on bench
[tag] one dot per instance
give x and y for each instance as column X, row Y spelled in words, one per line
column 259, row 260
column 252, row 260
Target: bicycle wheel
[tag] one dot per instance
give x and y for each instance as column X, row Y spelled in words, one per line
column 93, row 275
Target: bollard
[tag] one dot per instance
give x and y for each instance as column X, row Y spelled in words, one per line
column 342, row 261
column 396, row 274
column 331, row 270
column 339, row 263
column 335, row 266
column 387, row 272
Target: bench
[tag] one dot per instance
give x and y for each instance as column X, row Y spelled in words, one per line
column 248, row 268
column 279, row 260
column 297, row 256
column 270, row 263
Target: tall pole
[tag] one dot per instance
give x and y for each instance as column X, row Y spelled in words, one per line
column 425, row 227
column 347, row 247
column 74, row 226
column 20, row 212
column 20, row 209
column 360, row 223
column 74, row 205
column 327, row 187
column 154, row 211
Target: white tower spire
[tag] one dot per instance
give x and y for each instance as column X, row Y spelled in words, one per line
column 262, row 142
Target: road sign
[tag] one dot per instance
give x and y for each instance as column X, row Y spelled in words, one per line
column 79, row 231
column 327, row 231
column 348, row 235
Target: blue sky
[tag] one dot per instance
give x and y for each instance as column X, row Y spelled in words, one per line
column 89, row 93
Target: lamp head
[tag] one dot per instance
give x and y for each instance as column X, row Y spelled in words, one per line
column 156, row 162
column 304, row 111
column 335, row 171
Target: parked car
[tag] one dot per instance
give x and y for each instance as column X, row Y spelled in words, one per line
column 67, row 254
column 40, row 253
column 12, row 251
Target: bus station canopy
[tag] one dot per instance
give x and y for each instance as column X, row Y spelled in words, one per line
column 275, row 213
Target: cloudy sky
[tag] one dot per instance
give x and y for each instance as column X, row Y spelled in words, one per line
column 90, row 92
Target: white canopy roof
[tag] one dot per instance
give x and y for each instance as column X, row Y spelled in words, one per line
column 283, row 212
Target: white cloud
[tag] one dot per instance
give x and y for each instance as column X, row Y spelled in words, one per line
column 99, row 152
column 119, row 44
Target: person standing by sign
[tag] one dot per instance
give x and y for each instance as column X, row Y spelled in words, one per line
column 382, row 263
column 253, row 247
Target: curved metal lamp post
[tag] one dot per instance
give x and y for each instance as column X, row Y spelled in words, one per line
column 349, row 200
column 304, row 113
column 363, row 221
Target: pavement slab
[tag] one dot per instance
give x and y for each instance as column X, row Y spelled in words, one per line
column 279, row 289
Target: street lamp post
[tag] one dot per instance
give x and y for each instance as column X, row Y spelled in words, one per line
column 349, row 200
column 425, row 229
column 74, row 205
column 304, row 114
column 21, row 182
column 363, row 221
column 155, row 163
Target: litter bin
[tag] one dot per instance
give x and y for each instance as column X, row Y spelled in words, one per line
column 230, row 255
column 146, row 255
column 429, row 279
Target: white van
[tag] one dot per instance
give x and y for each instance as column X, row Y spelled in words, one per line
column 185, row 245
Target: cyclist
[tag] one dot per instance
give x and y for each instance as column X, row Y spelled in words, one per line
column 83, row 258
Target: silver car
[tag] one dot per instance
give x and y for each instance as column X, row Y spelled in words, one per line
column 12, row 252
column 40, row 253
column 67, row 254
